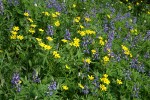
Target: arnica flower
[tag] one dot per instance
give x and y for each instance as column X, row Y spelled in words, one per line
column 55, row 54
column 80, row 85
column 13, row 32
column 93, row 51
column 105, row 75
column 101, row 42
column 33, row 25
column 105, row 80
column 57, row 23
column 13, row 36
column 30, row 20
column 90, row 77
column 49, row 38
column 41, row 30
column 81, row 26
column 77, row 19
column 20, row 37
column 105, row 59
column 64, row 40
column 15, row 28
column 26, row 14
column 119, row 81
column 103, row 87
column 82, row 33
column 64, row 87
column 87, row 19
column 54, row 15
column 88, row 60
column 46, row 13
column 76, row 42
column 31, row 30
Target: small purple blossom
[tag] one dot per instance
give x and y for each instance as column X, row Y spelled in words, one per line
column 35, row 77
column 50, row 30
column 52, row 87
column 67, row 36
column 16, row 82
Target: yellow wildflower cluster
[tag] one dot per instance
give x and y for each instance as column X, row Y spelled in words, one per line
column 57, row 23
column 80, row 85
column 87, row 19
column 76, row 42
column 32, row 28
column 101, row 41
column 126, row 50
column 64, row 40
column 49, row 38
column 64, row 87
column 105, row 79
column 46, row 13
column 87, row 60
column 56, row 54
column 119, row 81
column 86, row 32
column 103, row 87
column 26, row 14
column 43, row 45
column 56, row 14
column 77, row 19
column 105, row 59
column 14, row 33
column 93, row 51
column 91, row 77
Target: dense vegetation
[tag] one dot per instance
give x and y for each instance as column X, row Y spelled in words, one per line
column 74, row 50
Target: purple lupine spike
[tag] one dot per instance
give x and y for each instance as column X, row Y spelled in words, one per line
column 67, row 36
column 135, row 93
column 85, row 90
column 35, row 77
column 50, row 30
column 16, row 82
column 52, row 87
column 1, row 7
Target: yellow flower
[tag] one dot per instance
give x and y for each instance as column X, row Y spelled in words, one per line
column 82, row 33
column 91, row 77
column 101, row 42
column 47, row 47
column 30, row 20
column 15, row 28
column 74, row 5
column 67, row 67
column 65, row 87
column 80, row 85
column 26, row 14
column 105, row 80
column 20, row 37
column 129, row 7
column 76, row 42
column 105, row 59
column 49, row 38
column 93, row 51
column 31, row 30
column 46, row 13
column 33, row 25
column 87, row 19
column 39, row 40
column 119, row 81
column 41, row 30
column 55, row 54
column 13, row 36
column 64, row 40
column 81, row 26
column 88, row 60
column 57, row 13
column 103, row 87
column 57, row 23
column 13, row 32
column 77, row 19
column 105, row 75
column 54, row 15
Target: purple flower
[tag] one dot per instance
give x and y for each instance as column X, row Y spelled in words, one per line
column 16, row 82
column 51, row 88
column 67, row 36
column 1, row 7
column 135, row 92
column 50, row 30
column 35, row 77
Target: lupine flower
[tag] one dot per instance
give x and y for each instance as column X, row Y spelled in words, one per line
column 135, row 93
column 85, row 90
column 35, row 77
column 67, row 36
column 1, row 7
column 52, row 87
column 50, row 30
column 16, row 82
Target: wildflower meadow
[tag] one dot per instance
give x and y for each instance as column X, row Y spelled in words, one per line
column 74, row 49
